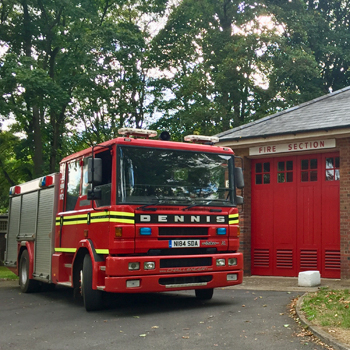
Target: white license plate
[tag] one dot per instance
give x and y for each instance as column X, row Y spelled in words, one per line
column 184, row 243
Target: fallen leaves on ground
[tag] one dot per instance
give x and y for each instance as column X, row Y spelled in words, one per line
column 304, row 332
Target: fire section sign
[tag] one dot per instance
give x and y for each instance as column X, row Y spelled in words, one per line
column 292, row 147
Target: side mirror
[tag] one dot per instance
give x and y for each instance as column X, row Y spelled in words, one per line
column 239, row 200
column 95, row 194
column 95, row 171
column 239, row 179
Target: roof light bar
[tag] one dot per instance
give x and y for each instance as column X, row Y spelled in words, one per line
column 45, row 181
column 14, row 190
column 137, row 132
column 201, row 139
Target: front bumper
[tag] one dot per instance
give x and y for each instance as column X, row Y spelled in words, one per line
column 172, row 273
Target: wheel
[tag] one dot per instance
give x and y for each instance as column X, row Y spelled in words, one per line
column 26, row 284
column 92, row 298
column 204, row 294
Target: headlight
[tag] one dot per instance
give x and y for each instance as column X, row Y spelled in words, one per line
column 232, row 261
column 134, row 266
column 149, row 265
column 220, row 262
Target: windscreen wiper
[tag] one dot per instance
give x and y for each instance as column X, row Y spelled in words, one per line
column 163, row 200
column 207, row 203
column 146, row 206
column 192, row 205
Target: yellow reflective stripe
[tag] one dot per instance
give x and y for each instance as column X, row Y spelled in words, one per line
column 58, row 220
column 67, row 223
column 122, row 213
column 233, row 219
column 122, row 221
column 99, row 220
column 81, row 216
column 233, row 216
column 72, row 219
column 102, row 251
column 125, row 221
column 100, row 213
column 97, row 217
column 65, row 250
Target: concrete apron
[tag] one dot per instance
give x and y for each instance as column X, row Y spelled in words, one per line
column 288, row 284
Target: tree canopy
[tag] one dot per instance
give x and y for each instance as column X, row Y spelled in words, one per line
column 74, row 72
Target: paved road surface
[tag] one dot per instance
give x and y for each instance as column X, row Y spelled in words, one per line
column 233, row 319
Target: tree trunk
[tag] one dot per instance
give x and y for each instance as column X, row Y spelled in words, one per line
column 38, row 146
column 57, row 124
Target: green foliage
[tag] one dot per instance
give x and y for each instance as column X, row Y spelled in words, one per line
column 70, row 64
column 15, row 165
column 214, row 54
column 328, row 308
column 6, row 274
column 312, row 56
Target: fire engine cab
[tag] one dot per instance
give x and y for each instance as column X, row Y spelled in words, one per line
column 131, row 215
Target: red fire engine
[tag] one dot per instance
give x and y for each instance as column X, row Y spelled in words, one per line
column 130, row 215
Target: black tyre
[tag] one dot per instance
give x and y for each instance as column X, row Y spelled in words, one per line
column 26, row 284
column 92, row 298
column 204, row 294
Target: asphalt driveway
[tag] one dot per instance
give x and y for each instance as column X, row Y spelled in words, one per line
column 239, row 319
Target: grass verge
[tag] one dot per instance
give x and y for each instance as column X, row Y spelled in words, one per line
column 5, row 273
column 328, row 308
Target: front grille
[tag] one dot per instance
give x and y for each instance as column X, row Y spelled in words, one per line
column 183, row 231
column 185, row 280
column 187, row 262
column 182, row 251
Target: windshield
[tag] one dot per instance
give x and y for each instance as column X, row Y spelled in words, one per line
column 175, row 177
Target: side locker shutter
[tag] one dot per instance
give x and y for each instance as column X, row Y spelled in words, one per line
column 28, row 216
column 44, row 234
column 13, row 229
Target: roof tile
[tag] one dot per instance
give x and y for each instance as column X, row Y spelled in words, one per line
column 323, row 113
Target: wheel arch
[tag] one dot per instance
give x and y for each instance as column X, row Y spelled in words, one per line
column 86, row 247
column 78, row 265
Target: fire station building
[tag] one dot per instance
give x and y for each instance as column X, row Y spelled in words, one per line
column 296, row 211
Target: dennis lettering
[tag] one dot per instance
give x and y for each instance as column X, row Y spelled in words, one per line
column 181, row 219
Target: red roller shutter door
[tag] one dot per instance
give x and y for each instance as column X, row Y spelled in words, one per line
column 295, row 215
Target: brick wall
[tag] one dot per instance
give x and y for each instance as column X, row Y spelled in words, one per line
column 245, row 212
column 344, row 149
